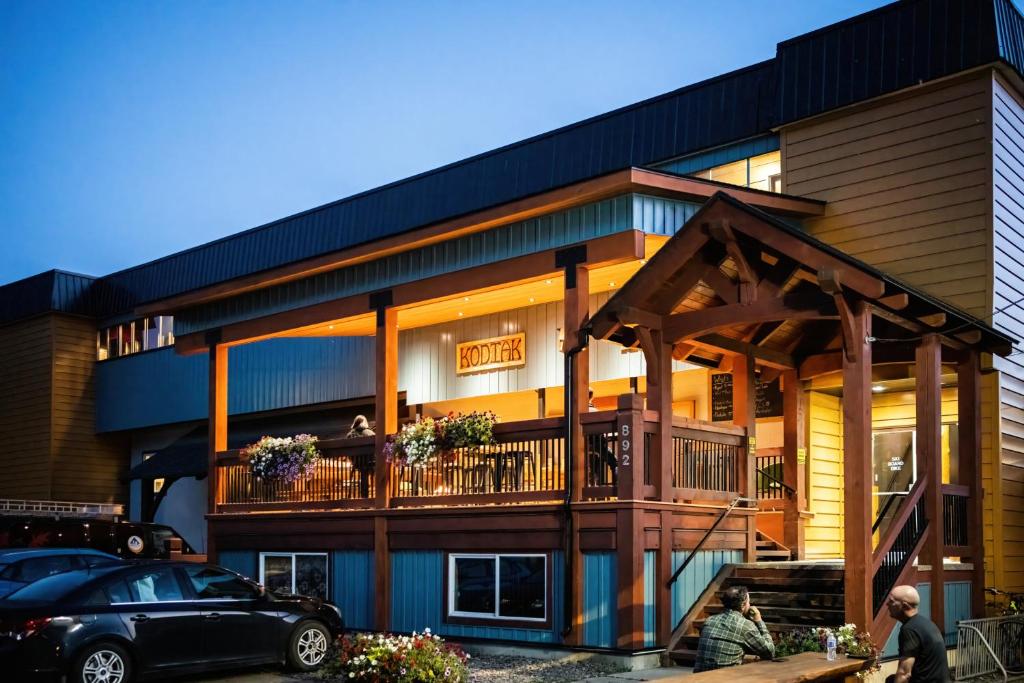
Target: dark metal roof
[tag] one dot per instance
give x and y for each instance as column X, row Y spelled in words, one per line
column 53, row 290
column 882, row 51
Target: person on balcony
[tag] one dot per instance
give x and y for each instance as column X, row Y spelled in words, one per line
column 360, row 427
column 738, row 631
column 922, row 647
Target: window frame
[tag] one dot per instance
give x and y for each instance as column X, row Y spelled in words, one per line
column 293, row 555
column 453, row 616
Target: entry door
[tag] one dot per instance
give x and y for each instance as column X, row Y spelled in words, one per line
column 894, row 470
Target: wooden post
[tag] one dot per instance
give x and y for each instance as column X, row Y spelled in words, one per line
column 744, row 414
column 218, row 433
column 629, row 523
column 577, row 312
column 386, row 412
column 658, row 356
column 663, row 570
column 968, row 398
column 794, row 411
column 928, row 368
column 630, row 428
column 857, row 468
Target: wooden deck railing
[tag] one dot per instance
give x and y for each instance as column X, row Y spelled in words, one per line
column 343, row 478
column 526, row 463
column 706, row 459
column 954, row 515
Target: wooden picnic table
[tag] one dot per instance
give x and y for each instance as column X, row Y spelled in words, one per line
column 805, row 667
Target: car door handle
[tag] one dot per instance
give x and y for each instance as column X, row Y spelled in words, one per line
column 212, row 616
column 140, row 618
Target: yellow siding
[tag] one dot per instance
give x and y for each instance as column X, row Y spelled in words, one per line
column 906, row 181
column 824, row 532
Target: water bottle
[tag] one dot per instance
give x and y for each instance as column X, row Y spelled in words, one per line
column 830, row 645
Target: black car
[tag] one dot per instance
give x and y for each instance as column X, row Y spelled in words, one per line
column 117, row 623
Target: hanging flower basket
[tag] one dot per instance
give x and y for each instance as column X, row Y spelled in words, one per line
column 422, row 442
column 283, row 460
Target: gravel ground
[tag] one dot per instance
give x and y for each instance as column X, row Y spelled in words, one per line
column 509, row 669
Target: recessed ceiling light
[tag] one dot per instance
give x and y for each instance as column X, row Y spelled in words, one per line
column 531, row 299
column 878, row 387
column 611, row 284
column 460, row 314
column 547, row 282
column 465, row 298
column 330, row 327
column 643, row 261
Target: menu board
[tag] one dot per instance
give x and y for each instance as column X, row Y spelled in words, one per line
column 769, row 398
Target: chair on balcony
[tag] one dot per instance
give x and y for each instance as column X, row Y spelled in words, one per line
column 477, row 478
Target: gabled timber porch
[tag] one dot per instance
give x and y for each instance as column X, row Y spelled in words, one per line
column 734, row 289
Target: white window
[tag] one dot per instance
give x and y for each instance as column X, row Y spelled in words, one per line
column 491, row 586
column 299, row 573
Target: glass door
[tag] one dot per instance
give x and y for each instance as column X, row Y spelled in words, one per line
column 894, row 471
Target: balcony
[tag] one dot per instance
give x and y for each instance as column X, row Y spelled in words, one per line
column 527, row 463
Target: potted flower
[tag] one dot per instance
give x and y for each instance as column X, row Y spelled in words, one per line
column 417, row 444
column 286, row 460
column 471, row 430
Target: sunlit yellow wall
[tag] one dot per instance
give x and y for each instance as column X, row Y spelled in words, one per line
column 824, row 531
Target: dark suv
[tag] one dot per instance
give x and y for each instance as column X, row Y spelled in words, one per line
column 125, row 539
column 116, row 623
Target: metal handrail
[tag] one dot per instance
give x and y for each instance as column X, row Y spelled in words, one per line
column 789, row 489
column 707, row 535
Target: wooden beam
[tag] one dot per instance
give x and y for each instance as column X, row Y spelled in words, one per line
column 658, row 357
column 928, row 369
column 794, row 455
column 767, row 357
column 748, row 275
column 630, row 316
column 727, row 290
column 933, row 320
column 896, row 302
column 804, row 306
column 774, row 281
column 857, row 469
column 969, row 457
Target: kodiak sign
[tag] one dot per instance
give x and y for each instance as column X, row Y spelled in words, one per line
column 491, row 354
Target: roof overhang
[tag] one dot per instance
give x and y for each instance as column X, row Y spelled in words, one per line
column 638, row 180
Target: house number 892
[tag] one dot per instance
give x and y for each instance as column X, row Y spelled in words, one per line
column 624, row 446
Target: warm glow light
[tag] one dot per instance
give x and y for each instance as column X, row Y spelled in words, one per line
column 547, row 282
column 466, row 298
column 877, row 388
column 611, row 284
column 460, row 314
column 330, row 327
column 643, row 261
column 531, row 299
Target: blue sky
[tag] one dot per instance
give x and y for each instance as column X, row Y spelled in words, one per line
column 132, row 130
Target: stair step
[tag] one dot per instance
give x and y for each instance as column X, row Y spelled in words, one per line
column 774, row 571
column 787, row 599
column 783, row 582
column 773, row 626
column 792, row 615
column 767, row 544
column 773, row 554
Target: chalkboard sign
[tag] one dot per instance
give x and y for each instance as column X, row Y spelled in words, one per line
column 769, row 398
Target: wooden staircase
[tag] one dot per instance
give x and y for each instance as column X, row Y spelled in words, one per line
column 770, row 550
column 789, row 594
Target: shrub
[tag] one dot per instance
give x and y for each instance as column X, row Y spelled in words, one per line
column 397, row 659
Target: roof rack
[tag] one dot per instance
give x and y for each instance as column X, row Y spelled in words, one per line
column 9, row 506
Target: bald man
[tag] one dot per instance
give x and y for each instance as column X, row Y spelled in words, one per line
column 922, row 647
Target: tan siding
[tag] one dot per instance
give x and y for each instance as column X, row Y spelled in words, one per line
column 25, row 409
column 824, row 532
column 906, row 185
column 86, row 467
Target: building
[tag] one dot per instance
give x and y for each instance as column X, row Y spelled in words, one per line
column 812, row 264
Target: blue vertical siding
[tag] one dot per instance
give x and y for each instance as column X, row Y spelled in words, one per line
column 600, row 599
column 245, row 562
column 418, row 600
column 958, row 607
column 692, row 582
column 160, row 387
column 650, row 597
column 352, row 586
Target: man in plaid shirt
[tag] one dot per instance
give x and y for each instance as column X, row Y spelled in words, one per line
column 726, row 637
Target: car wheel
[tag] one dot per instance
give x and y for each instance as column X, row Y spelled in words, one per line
column 103, row 663
column 308, row 646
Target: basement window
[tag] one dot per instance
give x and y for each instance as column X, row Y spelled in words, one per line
column 492, row 586
column 297, row 573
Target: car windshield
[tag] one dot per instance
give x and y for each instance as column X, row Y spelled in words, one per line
column 52, row 587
